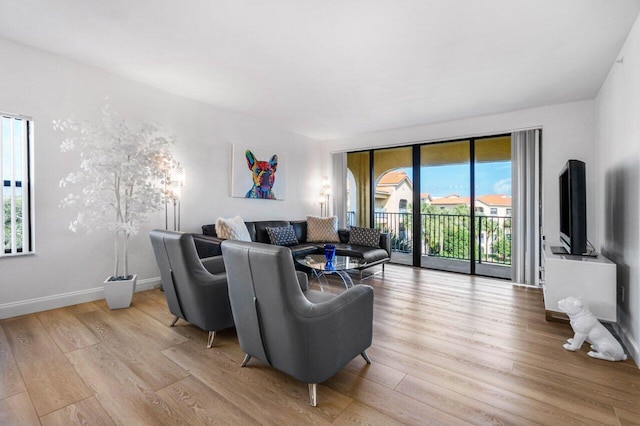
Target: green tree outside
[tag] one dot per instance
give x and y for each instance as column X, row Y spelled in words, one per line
column 446, row 233
column 7, row 223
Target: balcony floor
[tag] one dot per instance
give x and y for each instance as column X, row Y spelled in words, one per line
column 454, row 265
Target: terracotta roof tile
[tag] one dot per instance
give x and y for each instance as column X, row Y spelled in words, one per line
column 392, row 178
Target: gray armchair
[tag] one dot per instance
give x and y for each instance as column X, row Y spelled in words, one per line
column 307, row 334
column 195, row 289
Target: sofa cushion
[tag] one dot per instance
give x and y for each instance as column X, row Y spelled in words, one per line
column 303, row 249
column 369, row 254
column 282, row 236
column 368, row 237
column 232, row 229
column 300, row 227
column 209, row 230
column 261, row 226
column 322, row 229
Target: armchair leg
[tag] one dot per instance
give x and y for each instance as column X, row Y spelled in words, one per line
column 212, row 335
column 365, row 356
column 313, row 399
column 245, row 361
column 175, row 320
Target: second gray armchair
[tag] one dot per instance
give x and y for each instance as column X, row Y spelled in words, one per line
column 307, row 334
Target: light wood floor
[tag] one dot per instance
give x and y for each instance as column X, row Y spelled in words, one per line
column 447, row 349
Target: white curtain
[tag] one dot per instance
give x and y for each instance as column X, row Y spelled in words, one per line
column 338, row 187
column 525, row 206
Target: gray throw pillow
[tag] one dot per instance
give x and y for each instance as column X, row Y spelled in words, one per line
column 282, row 236
column 368, row 237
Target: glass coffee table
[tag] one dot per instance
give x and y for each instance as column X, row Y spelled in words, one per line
column 320, row 268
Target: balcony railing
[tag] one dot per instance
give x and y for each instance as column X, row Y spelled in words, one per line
column 351, row 218
column 448, row 235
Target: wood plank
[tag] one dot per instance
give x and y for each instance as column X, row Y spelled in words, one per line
column 50, row 379
column 361, row 414
column 18, row 410
column 390, row 402
column 65, row 329
column 11, row 382
column 472, row 382
column 376, row 372
column 85, row 412
column 566, row 363
column 138, row 350
column 199, row 404
column 628, row 418
column 447, row 349
column 156, row 308
column 457, row 404
column 125, row 396
column 620, row 395
column 82, row 308
column 262, row 392
column 146, row 328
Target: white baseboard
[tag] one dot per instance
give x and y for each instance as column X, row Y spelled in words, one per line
column 633, row 350
column 23, row 307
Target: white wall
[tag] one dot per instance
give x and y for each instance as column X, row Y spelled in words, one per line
column 68, row 268
column 618, row 189
column 568, row 132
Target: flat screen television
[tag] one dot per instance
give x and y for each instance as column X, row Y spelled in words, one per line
column 573, row 208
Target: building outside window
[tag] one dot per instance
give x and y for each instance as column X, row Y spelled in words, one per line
column 493, row 210
column 15, row 169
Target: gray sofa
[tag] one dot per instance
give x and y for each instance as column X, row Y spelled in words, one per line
column 208, row 243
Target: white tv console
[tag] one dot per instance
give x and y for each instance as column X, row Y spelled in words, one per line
column 591, row 278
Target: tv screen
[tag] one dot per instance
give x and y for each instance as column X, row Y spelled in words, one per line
column 573, row 207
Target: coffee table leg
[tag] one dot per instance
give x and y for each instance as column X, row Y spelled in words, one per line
column 348, row 282
column 319, row 276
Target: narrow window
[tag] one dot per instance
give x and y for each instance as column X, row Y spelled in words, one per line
column 15, row 167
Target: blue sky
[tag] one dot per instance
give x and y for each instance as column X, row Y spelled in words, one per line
column 491, row 178
column 6, row 147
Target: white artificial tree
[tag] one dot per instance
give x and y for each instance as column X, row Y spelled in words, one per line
column 121, row 178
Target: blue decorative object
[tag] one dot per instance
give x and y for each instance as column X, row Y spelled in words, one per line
column 329, row 266
column 329, row 252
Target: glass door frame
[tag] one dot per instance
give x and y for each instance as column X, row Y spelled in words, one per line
column 416, row 213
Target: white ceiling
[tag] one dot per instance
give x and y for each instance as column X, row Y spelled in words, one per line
column 330, row 68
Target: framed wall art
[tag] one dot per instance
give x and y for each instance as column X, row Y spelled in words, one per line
column 257, row 173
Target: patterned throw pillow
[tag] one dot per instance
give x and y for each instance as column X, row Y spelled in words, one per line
column 232, row 229
column 322, row 229
column 364, row 237
column 282, row 236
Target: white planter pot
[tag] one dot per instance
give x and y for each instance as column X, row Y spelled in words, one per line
column 119, row 293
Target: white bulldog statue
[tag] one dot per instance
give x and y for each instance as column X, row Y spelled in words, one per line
column 587, row 327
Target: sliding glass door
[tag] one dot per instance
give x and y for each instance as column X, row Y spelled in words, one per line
column 445, row 174
column 446, row 205
column 393, row 195
column 358, row 189
column 492, row 206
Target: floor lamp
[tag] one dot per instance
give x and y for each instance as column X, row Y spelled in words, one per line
column 325, row 193
column 173, row 192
